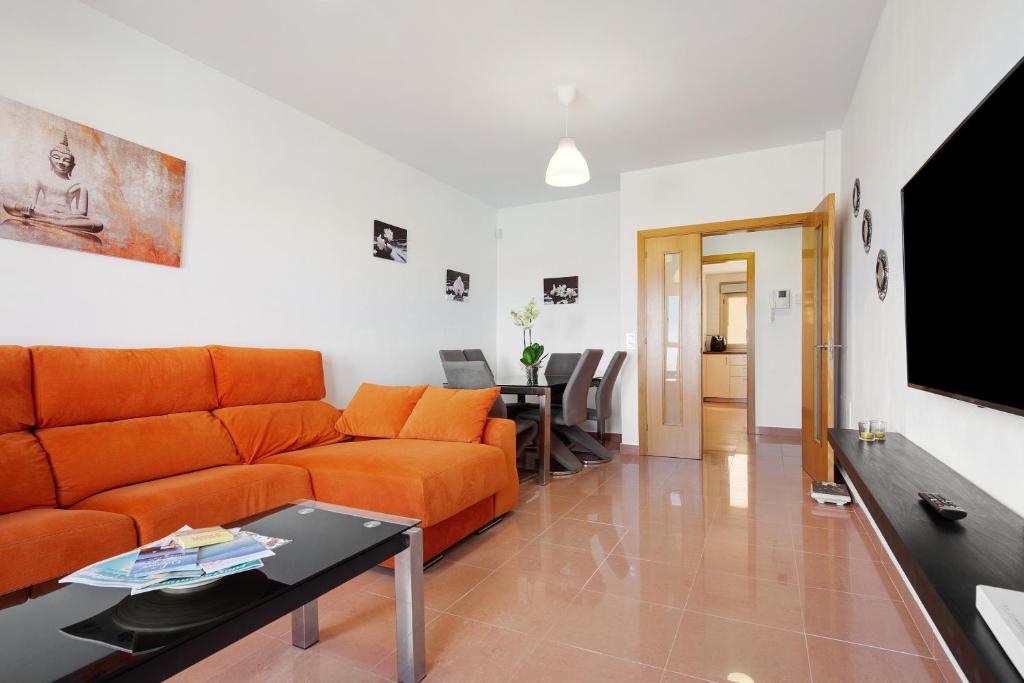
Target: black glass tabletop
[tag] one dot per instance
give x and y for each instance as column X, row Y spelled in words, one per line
column 79, row 632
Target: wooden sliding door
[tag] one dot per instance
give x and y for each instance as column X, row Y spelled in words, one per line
column 818, row 348
column 671, row 318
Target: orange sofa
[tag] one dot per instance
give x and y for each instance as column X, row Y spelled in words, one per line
column 105, row 449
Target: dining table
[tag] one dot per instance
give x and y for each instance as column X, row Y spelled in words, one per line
column 546, row 388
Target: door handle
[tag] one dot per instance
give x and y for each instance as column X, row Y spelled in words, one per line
column 830, row 346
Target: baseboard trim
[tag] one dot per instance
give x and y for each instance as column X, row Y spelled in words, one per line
column 629, row 449
column 778, row 431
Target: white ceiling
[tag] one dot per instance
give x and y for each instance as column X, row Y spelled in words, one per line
column 464, row 89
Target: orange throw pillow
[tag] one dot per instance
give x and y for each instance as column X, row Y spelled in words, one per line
column 379, row 411
column 450, row 415
column 260, row 431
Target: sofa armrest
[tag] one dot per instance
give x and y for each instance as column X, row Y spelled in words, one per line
column 502, row 433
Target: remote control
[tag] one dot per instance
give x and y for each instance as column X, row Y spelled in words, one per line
column 943, row 506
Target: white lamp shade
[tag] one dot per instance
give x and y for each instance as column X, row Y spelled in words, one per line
column 567, row 167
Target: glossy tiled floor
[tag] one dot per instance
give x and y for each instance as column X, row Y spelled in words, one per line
column 645, row 569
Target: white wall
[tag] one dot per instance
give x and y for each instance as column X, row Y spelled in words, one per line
column 777, row 265
column 930, row 63
column 781, row 180
column 278, row 219
column 553, row 239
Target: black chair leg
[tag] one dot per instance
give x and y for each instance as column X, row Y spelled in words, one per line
column 596, row 452
column 561, row 455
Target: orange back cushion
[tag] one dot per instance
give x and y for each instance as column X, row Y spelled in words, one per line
column 80, row 386
column 16, row 411
column 450, row 415
column 379, row 411
column 27, row 479
column 264, row 430
column 88, row 459
column 250, row 376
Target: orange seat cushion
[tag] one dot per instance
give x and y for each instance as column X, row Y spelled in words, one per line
column 248, row 376
column 87, row 459
column 262, row 430
column 16, row 410
column 427, row 480
column 76, row 386
column 450, row 415
column 206, row 498
column 43, row 544
column 27, row 479
column 379, row 411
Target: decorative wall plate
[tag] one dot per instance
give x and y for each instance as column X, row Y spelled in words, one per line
column 855, row 197
column 865, row 230
column 882, row 274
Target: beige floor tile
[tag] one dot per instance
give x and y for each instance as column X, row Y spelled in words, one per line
column 839, row 662
column 846, row 574
column 557, row 561
column 540, row 501
column 595, row 537
column 665, row 584
column 714, row 648
column 750, row 531
column 489, row 550
column 767, row 562
column 833, row 542
column 232, row 654
column 743, row 598
column 663, row 544
column 858, row 619
column 464, row 650
column 524, row 602
column 443, row 583
column 358, row 631
column 280, row 662
column 557, row 663
column 526, row 525
column 620, row 627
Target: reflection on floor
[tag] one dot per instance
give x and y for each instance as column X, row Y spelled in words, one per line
column 725, row 425
column 645, row 569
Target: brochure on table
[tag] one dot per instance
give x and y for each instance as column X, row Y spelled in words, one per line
column 245, row 551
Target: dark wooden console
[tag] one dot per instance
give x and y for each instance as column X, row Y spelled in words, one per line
column 944, row 560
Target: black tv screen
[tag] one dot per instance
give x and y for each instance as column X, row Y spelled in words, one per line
column 963, row 245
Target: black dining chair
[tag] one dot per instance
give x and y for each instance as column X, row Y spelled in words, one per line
column 477, row 354
column 474, row 374
column 602, row 410
column 566, row 418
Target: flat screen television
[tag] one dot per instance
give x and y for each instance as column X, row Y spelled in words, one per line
column 963, row 257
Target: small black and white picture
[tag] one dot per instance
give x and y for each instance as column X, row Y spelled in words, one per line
column 561, row 290
column 390, row 242
column 456, row 285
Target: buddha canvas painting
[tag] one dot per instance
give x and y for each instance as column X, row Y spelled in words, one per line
column 67, row 185
column 456, row 285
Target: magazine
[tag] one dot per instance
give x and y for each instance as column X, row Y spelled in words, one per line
column 176, row 567
column 159, row 559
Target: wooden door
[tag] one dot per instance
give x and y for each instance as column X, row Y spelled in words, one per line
column 817, row 340
column 672, row 329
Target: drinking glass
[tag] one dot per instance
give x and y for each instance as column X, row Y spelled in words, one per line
column 878, row 428
column 864, row 430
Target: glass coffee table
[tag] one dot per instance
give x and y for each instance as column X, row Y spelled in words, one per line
column 152, row 636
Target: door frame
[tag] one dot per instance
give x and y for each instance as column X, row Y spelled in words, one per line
column 747, row 256
column 790, row 220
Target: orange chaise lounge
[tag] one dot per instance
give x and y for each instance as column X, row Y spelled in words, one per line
column 104, row 449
